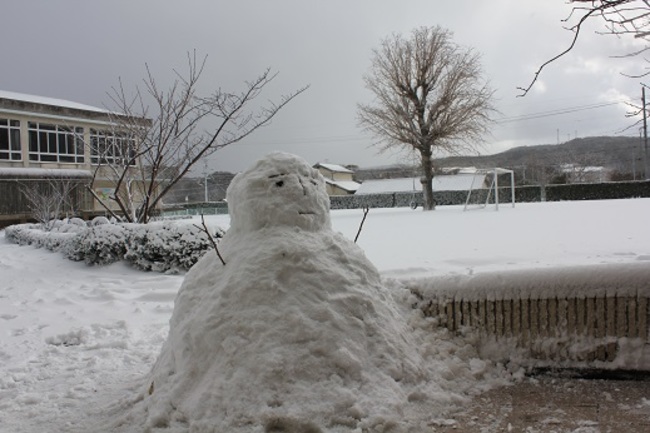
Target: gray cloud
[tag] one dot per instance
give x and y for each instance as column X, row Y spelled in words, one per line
column 76, row 50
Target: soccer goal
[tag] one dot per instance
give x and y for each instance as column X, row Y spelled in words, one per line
column 477, row 188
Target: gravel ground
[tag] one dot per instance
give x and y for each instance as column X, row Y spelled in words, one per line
column 557, row 404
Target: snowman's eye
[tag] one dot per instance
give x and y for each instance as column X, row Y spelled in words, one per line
column 278, row 183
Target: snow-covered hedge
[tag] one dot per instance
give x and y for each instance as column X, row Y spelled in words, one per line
column 166, row 247
column 98, row 245
column 158, row 247
column 35, row 234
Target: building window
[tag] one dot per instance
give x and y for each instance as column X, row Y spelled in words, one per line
column 110, row 147
column 55, row 143
column 10, row 140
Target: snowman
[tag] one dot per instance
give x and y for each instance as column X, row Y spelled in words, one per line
column 294, row 333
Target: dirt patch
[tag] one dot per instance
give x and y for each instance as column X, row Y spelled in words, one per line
column 556, row 405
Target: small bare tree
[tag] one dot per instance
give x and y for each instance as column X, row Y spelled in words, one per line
column 50, row 198
column 620, row 18
column 162, row 143
column 429, row 95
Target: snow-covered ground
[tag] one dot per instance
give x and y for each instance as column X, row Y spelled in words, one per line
column 75, row 339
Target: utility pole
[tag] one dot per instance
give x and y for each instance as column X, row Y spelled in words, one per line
column 205, row 180
column 646, row 172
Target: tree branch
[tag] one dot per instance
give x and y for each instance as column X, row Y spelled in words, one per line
column 205, row 230
column 619, row 19
column 366, row 209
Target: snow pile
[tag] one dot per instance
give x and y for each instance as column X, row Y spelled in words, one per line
column 296, row 332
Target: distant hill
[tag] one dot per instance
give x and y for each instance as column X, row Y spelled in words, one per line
column 620, row 155
column 611, row 152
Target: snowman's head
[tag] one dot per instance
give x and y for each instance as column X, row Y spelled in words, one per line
column 279, row 190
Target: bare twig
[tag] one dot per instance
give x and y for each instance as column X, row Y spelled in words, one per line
column 366, row 209
column 621, row 17
column 206, row 230
column 51, row 198
column 576, row 29
column 147, row 151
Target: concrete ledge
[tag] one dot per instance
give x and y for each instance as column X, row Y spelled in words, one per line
column 584, row 315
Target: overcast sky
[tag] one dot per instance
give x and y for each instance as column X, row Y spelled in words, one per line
column 77, row 50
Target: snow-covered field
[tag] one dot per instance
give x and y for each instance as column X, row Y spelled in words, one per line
column 75, row 339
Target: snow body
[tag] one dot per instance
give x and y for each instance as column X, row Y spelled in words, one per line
column 296, row 333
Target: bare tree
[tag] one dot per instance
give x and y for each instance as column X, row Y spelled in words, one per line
column 159, row 145
column 620, row 18
column 50, row 198
column 429, row 95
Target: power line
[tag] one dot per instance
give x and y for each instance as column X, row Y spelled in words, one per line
column 503, row 120
column 540, row 115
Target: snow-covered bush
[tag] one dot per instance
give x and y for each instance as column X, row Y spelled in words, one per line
column 54, row 224
column 100, row 220
column 77, row 221
column 68, row 226
column 21, row 234
column 99, row 245
column 54, row 239
column 167, row 247
column 150, row 247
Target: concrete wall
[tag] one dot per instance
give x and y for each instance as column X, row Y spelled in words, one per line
column 562, row 329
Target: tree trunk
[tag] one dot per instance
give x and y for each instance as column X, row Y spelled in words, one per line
column 427, row 181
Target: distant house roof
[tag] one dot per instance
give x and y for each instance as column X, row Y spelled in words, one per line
column 570, row 168
column 347, row 185
column 335, row 168
column 49, row 101
column 455, row 182
column 459, row 170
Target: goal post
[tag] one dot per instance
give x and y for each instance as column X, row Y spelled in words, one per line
column 493, row 188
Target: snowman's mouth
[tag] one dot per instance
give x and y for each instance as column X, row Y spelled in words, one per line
column 300, row 212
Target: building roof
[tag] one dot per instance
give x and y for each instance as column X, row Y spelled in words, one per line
column 346, row 185
column 43, row 100
column 335, row 168
column 455, row 182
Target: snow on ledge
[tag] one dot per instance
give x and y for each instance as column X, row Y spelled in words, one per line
column 43, row 172
column 606, row 280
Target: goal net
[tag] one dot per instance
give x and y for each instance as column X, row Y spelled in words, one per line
column 480, row 197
